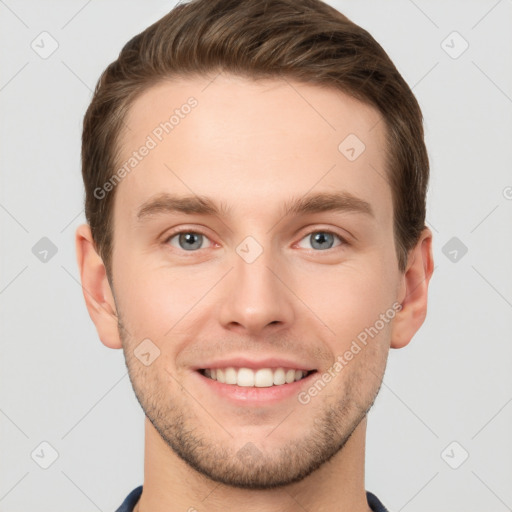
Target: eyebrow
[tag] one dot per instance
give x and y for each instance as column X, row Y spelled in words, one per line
column 201, row 205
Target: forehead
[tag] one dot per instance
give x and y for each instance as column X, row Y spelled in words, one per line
column 251, row 142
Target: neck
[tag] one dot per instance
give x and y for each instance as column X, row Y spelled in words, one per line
column 171, row 485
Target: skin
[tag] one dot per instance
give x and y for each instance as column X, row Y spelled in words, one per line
column 253, row 146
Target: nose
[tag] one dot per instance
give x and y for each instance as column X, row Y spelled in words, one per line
column 257, row 297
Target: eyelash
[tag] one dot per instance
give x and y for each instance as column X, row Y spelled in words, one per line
column 198, row 232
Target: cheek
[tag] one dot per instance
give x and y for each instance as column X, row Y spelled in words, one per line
column 351, row 299
column 158, row 302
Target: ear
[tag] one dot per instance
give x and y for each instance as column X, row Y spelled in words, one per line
column 98, row 295
column 413, row 293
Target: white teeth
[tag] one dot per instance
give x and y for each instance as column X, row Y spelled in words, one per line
column 279, row 377
column 262, row 378
column 245, row 377
column 230, row 375
column 290, row 376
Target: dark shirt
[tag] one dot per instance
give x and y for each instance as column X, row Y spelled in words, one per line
column 133, row 497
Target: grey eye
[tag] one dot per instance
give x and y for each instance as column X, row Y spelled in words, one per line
column 321, row 240
column 187, row 240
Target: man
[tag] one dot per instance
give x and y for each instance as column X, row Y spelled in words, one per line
column 227, row 143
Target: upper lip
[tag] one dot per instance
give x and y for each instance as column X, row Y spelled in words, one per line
column 254, row 364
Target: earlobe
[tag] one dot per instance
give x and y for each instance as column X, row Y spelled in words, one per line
column 96, row 289
column 414, row 291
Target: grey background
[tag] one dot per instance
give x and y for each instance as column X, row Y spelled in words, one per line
column 60, row 385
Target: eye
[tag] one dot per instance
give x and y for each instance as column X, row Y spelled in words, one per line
column 187, row 240
column 323, row 239
column 190, row 241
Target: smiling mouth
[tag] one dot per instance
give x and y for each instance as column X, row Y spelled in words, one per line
column 260, row 378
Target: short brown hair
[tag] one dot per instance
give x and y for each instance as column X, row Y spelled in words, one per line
column 304, row 40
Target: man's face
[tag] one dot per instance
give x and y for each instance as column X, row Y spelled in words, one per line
column 257, row 285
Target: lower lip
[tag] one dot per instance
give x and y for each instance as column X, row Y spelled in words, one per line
column 254, row 395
